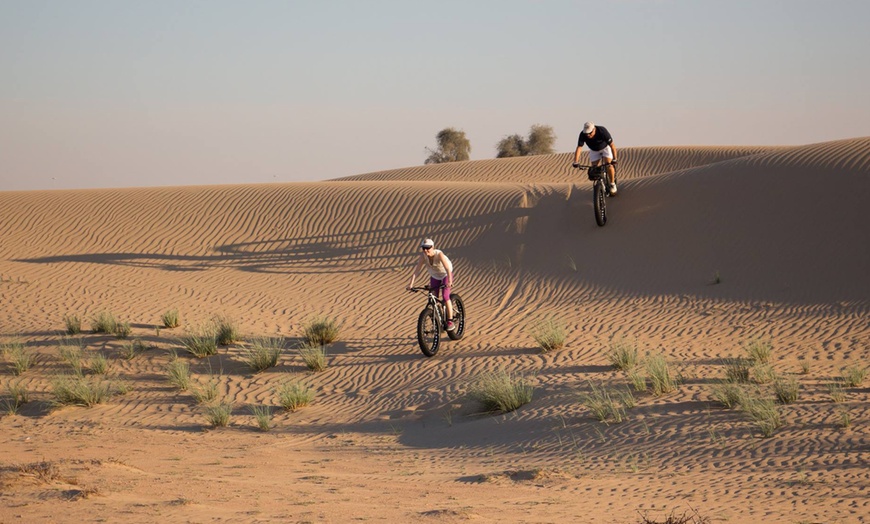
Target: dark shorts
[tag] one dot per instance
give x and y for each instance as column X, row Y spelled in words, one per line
column 434, row 283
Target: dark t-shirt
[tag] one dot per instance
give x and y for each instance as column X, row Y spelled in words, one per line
column 601, row 139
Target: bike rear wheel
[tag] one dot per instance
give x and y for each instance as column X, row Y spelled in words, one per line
column 458, row 317
column 428, row 332
column 598, row 201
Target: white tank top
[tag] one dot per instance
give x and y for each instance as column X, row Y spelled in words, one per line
column 436, row 270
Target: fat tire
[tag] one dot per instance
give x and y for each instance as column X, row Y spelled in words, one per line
column 598, row 202
column 459, row 318
column 428, row 334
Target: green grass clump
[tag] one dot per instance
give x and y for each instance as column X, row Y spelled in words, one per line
column 79, row 390
column 501, row 391
column 764, row 412
column 18, row 396
column 805, row 365
column 728, row 394
column 201, row 342
column 264, row 353
column 838, row 394
column 549, row 334
column 320, row 331
column 294, row 394
column 853, row 376
column 219, row 415
column 133, row 348
column 99, row 364
column 170, row 319
column 314, row 357
column 178, row 374
column 622, row 354
column 759, row 350
column 263, row 416
column 606, row 404
column 104, row 322
column 122, row 330
column 16, row 353
column 662, row 379
column 73, row 324
column 226, row 331
column 787, row 390
column 762, row 373
column 72, row 353
column 737, row 370
column 637, row 379
column 844, row 418
column 206, row 391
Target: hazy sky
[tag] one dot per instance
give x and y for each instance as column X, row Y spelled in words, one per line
column 177, row 92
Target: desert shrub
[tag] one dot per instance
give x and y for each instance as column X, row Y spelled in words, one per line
column 104, row 322
column 844, row 418
column 853, row 376
column 16, row 353
column 294, row 394
column 787, row 390
column 80, row 390
column 606, row 404
column 226, row 330
column 737, row 370
column 622, row 354
column 662, row 379
column 805, row 364
column 320, row 331
column 264, row 353
column 501, row 391
column 759, row 350
column 314, row 357
column 73, row 324
column 549, row 334
column 219, row 415
column 201, row 342
column 178, row 374
column 453, row 146
column 170, row 318
column 540, row 141
column 690, row 516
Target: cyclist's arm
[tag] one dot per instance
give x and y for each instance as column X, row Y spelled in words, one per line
column 613, row 150
column 577, row 154
column 448, row 265
column 416, row 271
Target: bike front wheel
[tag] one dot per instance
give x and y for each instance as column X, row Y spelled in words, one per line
column 598, row 200
column 428, row 332
column 458, row 317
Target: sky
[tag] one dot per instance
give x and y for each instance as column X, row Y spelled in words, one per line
column 102, row 93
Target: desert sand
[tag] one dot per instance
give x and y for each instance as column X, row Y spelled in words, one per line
column 705, row 250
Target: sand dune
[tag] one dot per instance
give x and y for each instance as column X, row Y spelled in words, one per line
column 783, row 230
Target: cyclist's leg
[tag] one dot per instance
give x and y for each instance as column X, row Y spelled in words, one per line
column 447, row 301
column 607, row 154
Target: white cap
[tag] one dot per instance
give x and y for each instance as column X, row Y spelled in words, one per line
column 427, row 243
column 588, row 127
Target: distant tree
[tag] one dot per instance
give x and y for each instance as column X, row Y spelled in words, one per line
column 513, row 145
column 540, row 142
column 453, row 146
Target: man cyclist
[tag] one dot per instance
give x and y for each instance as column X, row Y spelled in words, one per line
column 440, row 274
column 600, row 146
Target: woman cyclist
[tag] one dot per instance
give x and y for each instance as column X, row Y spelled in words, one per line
column 440, row 274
